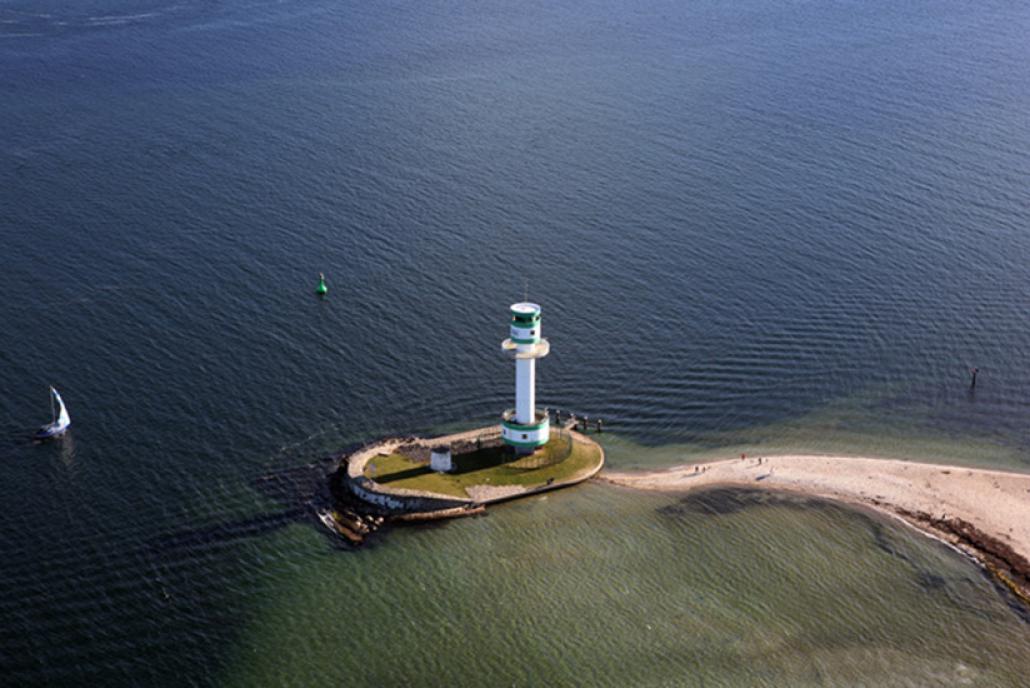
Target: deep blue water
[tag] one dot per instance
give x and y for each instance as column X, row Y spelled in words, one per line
column 777, row 224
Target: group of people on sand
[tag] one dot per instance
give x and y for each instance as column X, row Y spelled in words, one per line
column 701, row 468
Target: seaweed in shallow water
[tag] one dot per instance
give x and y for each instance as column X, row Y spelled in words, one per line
column 722, row 501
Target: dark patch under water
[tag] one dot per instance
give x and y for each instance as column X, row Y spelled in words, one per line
column 722, row 501
column 883, row 540
column 216, row 534
column 930, row 581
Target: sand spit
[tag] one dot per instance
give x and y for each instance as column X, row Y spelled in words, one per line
column 984, row 513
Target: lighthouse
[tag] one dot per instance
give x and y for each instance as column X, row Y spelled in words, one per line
column 523, row 427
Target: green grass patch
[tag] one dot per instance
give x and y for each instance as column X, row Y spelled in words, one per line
column 493, row 466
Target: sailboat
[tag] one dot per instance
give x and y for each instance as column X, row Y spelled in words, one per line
column 60, row 422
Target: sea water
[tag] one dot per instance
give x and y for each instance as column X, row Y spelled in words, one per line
column 754, row 226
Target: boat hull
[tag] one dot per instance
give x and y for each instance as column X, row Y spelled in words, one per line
column 49, row 432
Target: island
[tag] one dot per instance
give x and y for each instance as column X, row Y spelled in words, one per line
column 415, row 478
column 983, row 513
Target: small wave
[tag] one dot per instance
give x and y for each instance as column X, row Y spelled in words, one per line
column 118, row 20
column 121, row 18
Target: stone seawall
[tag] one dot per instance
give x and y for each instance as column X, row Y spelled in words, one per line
column 362, row 487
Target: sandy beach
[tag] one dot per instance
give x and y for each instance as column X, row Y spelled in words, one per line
column 984, row 513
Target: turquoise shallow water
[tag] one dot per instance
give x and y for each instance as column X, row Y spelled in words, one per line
column 610, row 587
column 757, row 226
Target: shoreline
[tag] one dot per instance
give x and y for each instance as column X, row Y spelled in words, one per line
column 983, row 513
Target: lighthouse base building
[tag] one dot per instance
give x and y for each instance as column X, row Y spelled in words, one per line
column 524, row 427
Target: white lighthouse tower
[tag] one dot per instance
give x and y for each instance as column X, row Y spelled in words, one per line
column 524, row 427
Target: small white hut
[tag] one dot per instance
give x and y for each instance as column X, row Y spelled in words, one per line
column 440, row 459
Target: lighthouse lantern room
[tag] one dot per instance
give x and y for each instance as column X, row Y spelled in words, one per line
column 524, row 427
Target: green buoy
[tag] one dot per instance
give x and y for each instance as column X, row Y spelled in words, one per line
column 321, row 289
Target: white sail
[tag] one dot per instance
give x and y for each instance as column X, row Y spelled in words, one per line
column 63, row 420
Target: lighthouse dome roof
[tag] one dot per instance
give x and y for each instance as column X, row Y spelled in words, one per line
column 525, row 308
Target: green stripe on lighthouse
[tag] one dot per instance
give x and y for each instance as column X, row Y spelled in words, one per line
column 515, row 427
